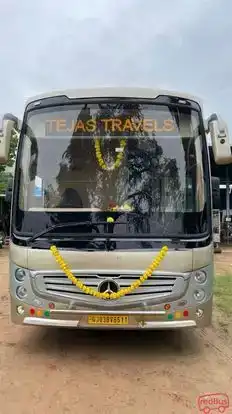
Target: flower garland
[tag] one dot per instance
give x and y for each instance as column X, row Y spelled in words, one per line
column 124, row 207
column 121, row 292
column 99, row 157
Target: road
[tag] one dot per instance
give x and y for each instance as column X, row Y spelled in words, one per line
column 69, row 371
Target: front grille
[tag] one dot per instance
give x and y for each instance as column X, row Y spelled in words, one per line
column 157, row 286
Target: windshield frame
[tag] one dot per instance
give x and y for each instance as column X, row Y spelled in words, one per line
column 160, row 100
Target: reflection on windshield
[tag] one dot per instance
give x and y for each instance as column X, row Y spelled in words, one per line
column 113, row 158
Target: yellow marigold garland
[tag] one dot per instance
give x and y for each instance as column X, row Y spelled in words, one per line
column 99, row 157
column 121, row 292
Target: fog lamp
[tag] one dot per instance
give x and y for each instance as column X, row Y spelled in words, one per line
column 20, row 310
column 199, row 313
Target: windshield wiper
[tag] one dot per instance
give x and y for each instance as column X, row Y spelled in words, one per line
column 93, row 225
column 108, row 235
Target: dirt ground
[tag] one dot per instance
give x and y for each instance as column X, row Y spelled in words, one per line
column 69, row 371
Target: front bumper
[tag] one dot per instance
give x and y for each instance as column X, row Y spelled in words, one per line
column 154, row 317
column 136, row 320
column 61, row 323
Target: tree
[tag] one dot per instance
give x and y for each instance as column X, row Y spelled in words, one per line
column 11, row 160
column 144, row 174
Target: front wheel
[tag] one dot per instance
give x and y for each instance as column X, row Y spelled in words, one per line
column 217, row 248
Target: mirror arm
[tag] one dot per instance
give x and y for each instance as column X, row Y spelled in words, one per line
column 16, row 133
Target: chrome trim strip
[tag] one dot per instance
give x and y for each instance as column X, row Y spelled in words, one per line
column 76, row 324
column 168, row 324
column 50, row 322
column 105, row 312
column 96, row 272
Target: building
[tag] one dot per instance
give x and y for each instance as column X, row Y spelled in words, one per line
column 224, row 172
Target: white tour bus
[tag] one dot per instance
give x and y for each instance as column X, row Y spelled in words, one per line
column 111, row 209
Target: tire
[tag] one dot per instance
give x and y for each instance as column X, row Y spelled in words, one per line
column 217, row 250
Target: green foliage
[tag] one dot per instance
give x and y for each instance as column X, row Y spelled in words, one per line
column 223, row 293
column 11, row 160
column 4, row 177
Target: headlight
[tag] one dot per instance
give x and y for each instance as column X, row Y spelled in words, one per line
column 20, row 275
column 200, row 276
column 21, row 292
column 199, row 295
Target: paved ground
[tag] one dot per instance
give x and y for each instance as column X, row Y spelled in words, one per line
column 58, row 371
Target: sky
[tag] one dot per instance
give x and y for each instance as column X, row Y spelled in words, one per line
column 173, row 44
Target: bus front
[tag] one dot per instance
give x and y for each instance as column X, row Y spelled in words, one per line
column 102, row 185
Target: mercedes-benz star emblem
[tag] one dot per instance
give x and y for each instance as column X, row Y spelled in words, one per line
column 108, row 286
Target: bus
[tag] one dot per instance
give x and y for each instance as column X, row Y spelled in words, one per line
column 111, row 209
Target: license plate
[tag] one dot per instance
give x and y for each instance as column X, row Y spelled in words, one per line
column 107, row 320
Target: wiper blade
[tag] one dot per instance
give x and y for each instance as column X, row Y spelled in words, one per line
column 92, row 224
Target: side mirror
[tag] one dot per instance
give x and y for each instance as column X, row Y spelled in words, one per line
column 9, row 124
column 216, row 193
column 220, row 139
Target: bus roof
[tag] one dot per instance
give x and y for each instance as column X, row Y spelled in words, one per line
column 113, row 92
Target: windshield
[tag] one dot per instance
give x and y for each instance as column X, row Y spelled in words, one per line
column 141, row 164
